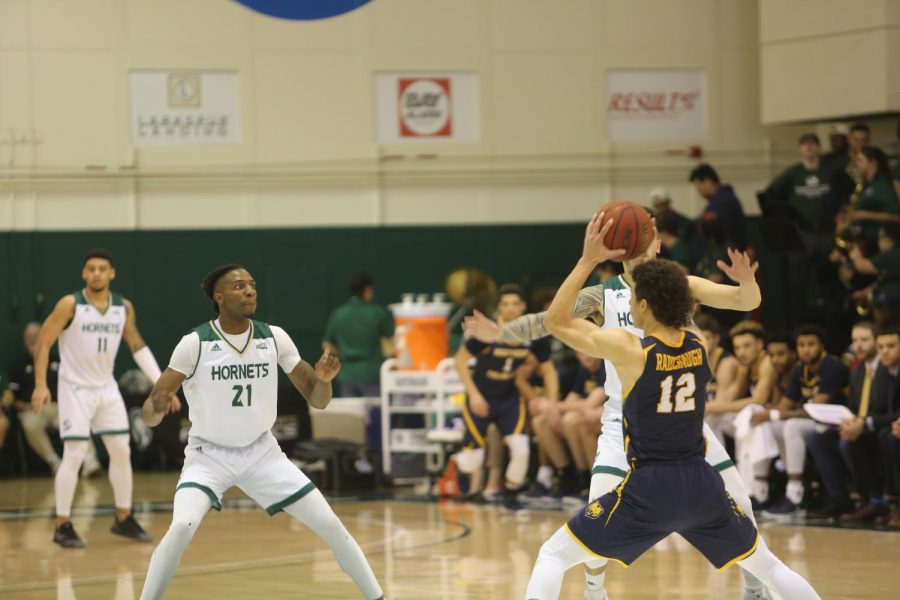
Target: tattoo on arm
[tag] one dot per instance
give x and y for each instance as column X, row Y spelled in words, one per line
column 531, row 327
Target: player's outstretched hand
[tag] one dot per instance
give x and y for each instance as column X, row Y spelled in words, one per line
column 481, row 328
column 741, row 269
column 328, row 366
column 595, row 250
column 39, row 397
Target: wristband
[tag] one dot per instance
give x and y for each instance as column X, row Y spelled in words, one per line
column 774, row 415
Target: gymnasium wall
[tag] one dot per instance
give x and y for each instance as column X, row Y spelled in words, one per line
column 308, row 155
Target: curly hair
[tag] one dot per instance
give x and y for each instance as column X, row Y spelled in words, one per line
column 208, row 285
column 664, row 285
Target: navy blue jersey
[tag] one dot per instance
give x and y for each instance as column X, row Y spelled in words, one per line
column 586, row 381
column 496, row 364
column 830, row 377
column 663, row 412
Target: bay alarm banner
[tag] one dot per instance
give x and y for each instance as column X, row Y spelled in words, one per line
column 649, row 105
column 429, row 107
column 184, row 108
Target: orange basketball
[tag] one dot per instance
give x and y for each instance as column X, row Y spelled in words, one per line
column 632, row 228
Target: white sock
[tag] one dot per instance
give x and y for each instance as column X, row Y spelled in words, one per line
column 545, row 476
column 190, row 506
column 776, row 576
column 119, row 469
column 760, row 490
column 557, row 555
column 594, row 584
column 314, row 512
column 794, row 491
column 67, row 475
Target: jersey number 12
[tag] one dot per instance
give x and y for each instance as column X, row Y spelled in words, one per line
column 684, row 395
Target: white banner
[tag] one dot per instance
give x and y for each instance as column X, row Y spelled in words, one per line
column 649, row 106
column 183, row 108
column 426, row 107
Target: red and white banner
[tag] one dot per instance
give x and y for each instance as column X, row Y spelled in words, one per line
column 650, row 106
column 426, row 107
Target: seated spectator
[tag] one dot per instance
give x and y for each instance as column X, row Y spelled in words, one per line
column 723, row 364
column 674, row 246
column 18, row 396
column 722, row 201
column 877, row 201
column 893, row 448
column 826, row 446
column 884, row 295
column 780, row 348
column 662, row 208
column 581, row 411
column 361, row 333
column 817, row 377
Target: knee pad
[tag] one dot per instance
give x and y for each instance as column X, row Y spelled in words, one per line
column 470, row 460
column 519, row 451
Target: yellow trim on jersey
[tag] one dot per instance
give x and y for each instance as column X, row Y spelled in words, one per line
column 592, row 553
column 471, row 425
column 619, row 494
column 520, row 424
column 742, row 556
column 678, row 345
column 222, row 337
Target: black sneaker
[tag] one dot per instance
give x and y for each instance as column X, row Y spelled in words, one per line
column 832, row 510
column 66, row 537
column 129, row 528
column 511, row 500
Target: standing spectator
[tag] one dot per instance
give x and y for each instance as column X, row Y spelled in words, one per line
column 877, row 200
column 885, row 293
column 18, row 395
column 812, row 195
column 662, row 207
column 838, row 155
column 817, row 377
column 860, row 137
column 864, row 437
column 722, row 201
column 361, row 333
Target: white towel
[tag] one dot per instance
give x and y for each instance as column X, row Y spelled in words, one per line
column 753, row 443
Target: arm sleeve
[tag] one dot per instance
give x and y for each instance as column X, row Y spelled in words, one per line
column 288, row 355
column 186, row 354
column 531, row 327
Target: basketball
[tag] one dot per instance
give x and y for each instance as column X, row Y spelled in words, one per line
column 632, row 229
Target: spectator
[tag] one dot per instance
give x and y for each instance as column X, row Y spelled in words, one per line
column 676, row 248
column 885, row 293
column 864, row 438
column 860, row 137
column 18, row 395
column 780, row 348
column 723, row 365
column 827, row 446
column 361, row 333
column 713, row 232
column 4, row 425
column 812, row 195
column 817, row 377
column 893, row 448
column 662, row 208
column 877, row 201
column 895, row 172
column 609, row 269
column 838, row 156
column 722, row 201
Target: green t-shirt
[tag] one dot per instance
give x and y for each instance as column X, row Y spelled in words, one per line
column 877, row 196
column 815, row 195
column 888, row 265
column 356, row 328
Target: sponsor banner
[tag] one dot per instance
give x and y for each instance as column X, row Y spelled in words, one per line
column 427, row 107
column 184, row 108
column 655, row 105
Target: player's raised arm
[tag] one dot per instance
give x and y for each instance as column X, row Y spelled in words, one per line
column 139, row 349
column 578, row 333
column 54, row 324
column 163, row 398
column 745, row 296
column 531, row 327
column 315, row 383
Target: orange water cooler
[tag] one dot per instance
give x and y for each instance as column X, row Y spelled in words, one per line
column 422, row 340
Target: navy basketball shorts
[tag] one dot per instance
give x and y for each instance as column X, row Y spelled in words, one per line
column 508, row 412
column 657, row 499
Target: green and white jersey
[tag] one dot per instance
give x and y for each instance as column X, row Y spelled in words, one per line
column 232, row 380
column 616, row 315
column 88, row 345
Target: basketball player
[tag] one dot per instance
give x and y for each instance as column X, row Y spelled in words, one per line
column 669, row 486
column 90, row 324
column 493, row 397
column 228, row 368
column 608, row 305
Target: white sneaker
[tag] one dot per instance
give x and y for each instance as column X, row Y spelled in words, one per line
column 600, row 594
column 90, row 467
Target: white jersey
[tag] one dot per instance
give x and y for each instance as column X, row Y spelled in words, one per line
column 232, row 381
column 616, row 315
column 88, row 345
